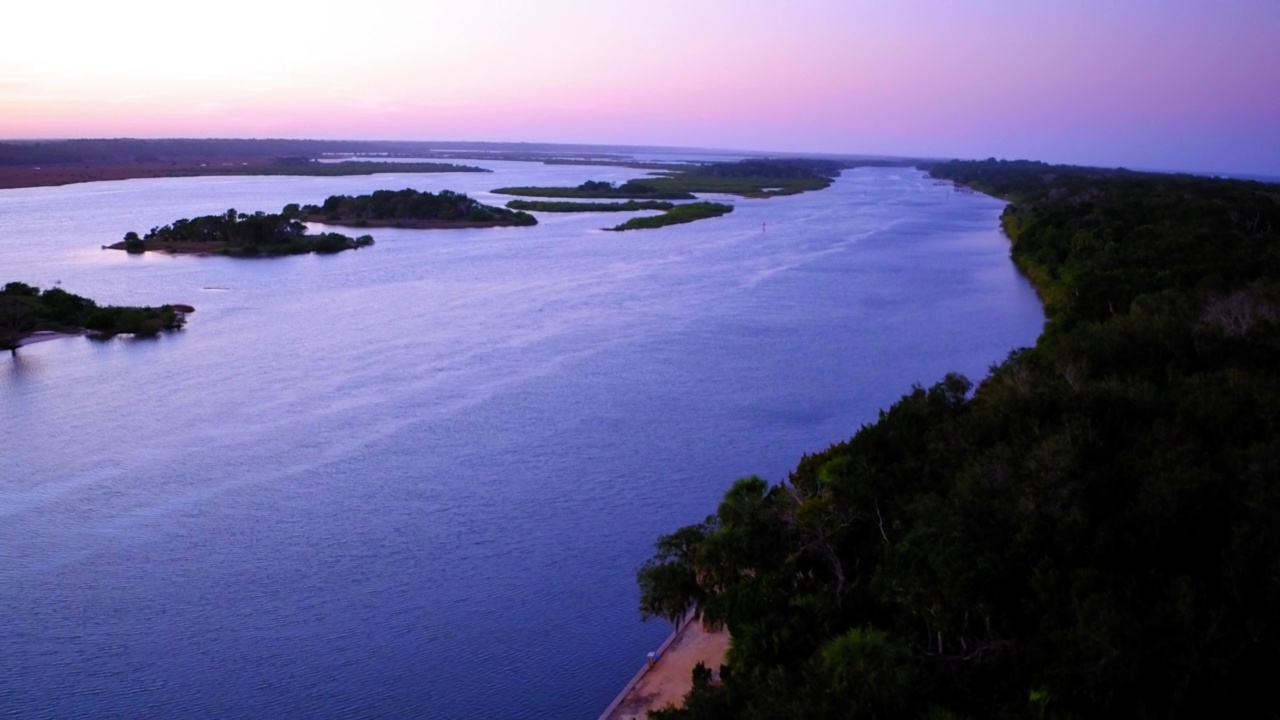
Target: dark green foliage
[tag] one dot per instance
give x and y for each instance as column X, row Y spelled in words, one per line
column 25, row 309
column 597, row 189
column 553, row 206
column 133, row 244
column 242, row 235
column 410, row 207
column 1091, row 533
column 760, row 177
column 686, row 213
column 304, row 166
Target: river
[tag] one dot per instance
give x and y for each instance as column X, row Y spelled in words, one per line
column 416, row 480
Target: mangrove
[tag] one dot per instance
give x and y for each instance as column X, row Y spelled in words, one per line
column 26, row 310
column 568, row 207
column 685, row 213
column 412, row 209
column 240, row 235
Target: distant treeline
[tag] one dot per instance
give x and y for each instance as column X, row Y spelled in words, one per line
column 25, row 309
column 763, row 177
column 1091, row 532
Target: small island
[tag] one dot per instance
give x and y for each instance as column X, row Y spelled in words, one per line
column 28, row 314
column 686, row 213
column 412, row 209
column 240, row 235
column 754, row 178
column 601, row 190
column 564, row 206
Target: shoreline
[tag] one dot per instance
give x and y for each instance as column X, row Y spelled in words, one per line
column 40, row 336
column 409, row 224
column 670, row 677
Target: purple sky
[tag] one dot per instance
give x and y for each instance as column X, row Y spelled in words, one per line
column 1191, row 85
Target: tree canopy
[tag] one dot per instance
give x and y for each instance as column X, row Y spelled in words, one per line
column 1093, row 531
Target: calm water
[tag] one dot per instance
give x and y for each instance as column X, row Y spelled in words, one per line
column 417, row 479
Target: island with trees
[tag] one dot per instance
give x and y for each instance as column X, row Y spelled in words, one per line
column 27, row 312
column 412, row 209
column 1091, row 531
column 240, row 235
column 683, row 213
column 571, row 207
column 601, row 190
column 754, row 178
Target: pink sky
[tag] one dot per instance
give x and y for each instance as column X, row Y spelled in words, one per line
column 1189, row 85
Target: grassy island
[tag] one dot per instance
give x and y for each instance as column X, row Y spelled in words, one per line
column 601, row 190
column 569, row 207
column 757, row 178
column 240, row 235
column 26, row 310
column 1091, row 531
column 412, row 209
column 686, row 213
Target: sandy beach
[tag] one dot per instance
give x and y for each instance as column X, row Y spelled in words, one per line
column 671, row 676
column 45, row 336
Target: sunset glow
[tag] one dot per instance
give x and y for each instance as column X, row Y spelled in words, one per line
column 1185, row 85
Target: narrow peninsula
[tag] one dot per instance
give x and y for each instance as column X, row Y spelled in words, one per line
column 28, row 314
column 412, row 209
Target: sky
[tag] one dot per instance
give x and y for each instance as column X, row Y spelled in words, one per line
column 1146, row 84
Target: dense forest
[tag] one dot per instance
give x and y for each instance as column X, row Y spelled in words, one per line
column 25, row 309
column 241, row 235
column 1091, row 532
column 411, row 208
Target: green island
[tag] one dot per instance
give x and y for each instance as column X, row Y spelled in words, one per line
column 645, row 189
column 686, row 213
column 1091, row 531
column 754, row 178
column 240, row 235
column 412, row 209
column 25, row 311
column 564, row 206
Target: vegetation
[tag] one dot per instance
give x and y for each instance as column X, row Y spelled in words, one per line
column 240, row 235
column 305, row 166
column 645, row 189
column 685, row 213
column 411, row 208
column 1090, row 533
column 762, row 177
column 25, row 309
column 553, row 206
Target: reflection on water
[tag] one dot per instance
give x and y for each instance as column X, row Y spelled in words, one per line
column 416, row 480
